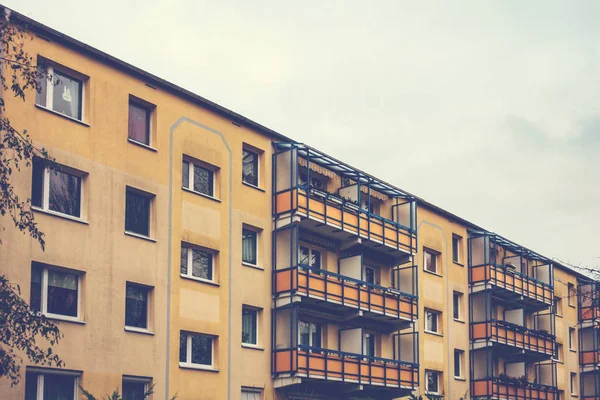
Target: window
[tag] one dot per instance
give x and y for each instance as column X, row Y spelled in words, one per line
column 456, row 248
column 310, row 334
column 457, row 298
column 134, row 388
column 196, row 263
column 369, row 345
column 369, row 275
column 431, row 321
column 572, row 294
column 60, row 92
column 250, row 167
column 249, row 246
column 557, row 306
column 315, row 183
column 137, row 212
column 249, row 326
column 55, row 292
column 196, row 349
column 573, row 383
column 558, row 352
column 572, row 339
column 430, row 261
column 310, row 257
column 250, row 393
column 50, row 386
column 458, row 363
column 432, row 382
column 136, row 306
column 198, row 178
column 139, row 122
column 56, row 189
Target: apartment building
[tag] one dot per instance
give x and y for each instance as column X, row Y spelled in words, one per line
column 194, row 251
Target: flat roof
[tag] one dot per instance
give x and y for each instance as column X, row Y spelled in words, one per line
column 66, row 40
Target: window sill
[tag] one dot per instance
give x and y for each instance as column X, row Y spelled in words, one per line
column 192, row 278
column 137, row 235
column 459, row 264
column 433, row 273
column 459, row 378
column 144, row 145
column 573, row 350
column 57, row 214
column 572, row 306
column 245, row 264
column 64, row 319
column 459, row 320
column 138, row 330
column 197, row 367
column 254, row 187
column 62, row 115
column 201, row 194
column 433, row 333
column 252, row 347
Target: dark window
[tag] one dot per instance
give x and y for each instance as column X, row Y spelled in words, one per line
column 249, row 326
column 456, row 304
column 36, row 288
column 370, row 345
column 139, row 123
column 200, row 346
column 62, row 293
column 310, row 334
column 456, row 240
column 369, row 275
column 310, row 257
column 250, row 167
column 54, row 387
column 201, row 181
column 431, row 321
column 430, row 260
column 249, row 246
column 201, row 263
column 458, row 363
column 136, row 306
column 137, row 213
column 65, row 193
column 66, row 95
column 134, row 390
column 432, row 381
column 37, row 184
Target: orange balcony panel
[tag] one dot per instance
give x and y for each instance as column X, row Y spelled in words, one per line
column 513, row 335
column 339, row 214
column 334, row 288
column 513, row 282
column 493, row 388
column 589, row 313
column 589, row 357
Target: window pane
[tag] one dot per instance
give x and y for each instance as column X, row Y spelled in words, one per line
column 249, row 246
column 370, row 345
column 182, row 347
column 455, row 249
column 432, row 382
column 185, row 175
column 456, row 363
column 66, row 95
column 37, row 182
column 250, row 167
column 65, row 193
column 304, row 329
column 31, row 380
column 202, row 265
column 42, row 84
column 315, row 330
column 59, row 387
column 139, row 123
column 249, row 326
column 137, row 213
column 369, row 275
column 303, row 255
column 133, row 390
column 35, row 297
column 184, row 261
column 136, row 306
column 201, row 350
column 315, row 259
column 456, row 299
column 203, row 180
column 62, row 293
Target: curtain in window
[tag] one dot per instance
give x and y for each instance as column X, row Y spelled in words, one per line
column 65, row 193
column 250, row 395
column 249, row 246
column 66, row 95
column 139, row 123
column 62, row 293
column 250, row 167
column 249, row 326
column 136, row 306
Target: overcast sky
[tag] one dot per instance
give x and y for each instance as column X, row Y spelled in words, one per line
column 489, row 109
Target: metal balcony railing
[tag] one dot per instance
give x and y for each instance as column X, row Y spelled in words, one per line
column 514, row 335
column 513, row 281
column 345, row 215
column 339, row 366
column 493, row 387
column 346, row 291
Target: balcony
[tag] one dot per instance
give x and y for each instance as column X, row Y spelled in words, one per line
column 589, row 357
column 512, row 390
column 509, row 335
column 337, row 366
column 345, row 216
column 535, row 293
column 588, row 298
column 337, row 290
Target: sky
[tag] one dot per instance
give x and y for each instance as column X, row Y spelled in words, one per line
column 488, row 109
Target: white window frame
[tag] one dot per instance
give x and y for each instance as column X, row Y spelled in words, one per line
column 188, row 363
column 44, row 295
column 434, row 256
column 50, row 90
column 437, row 324
column 135, row 328
column 259, row 154
column 46, row 193
column 557, row 349
column 459, row 255
column 310, row 337
column 573, row 383
column 459, row 295
column 190, row 258
column 257, row 233
column 40, row 383
column 190, row 184
column 256, row 319
column 572, row 346
column 461, row 355
column 437, row 374
column 310, row 253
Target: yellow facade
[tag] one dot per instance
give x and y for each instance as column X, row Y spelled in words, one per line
column 385, row 270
